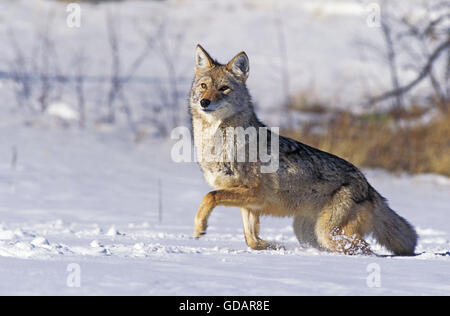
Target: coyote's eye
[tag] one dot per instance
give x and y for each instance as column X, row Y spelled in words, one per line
column 224, row 88
column 203, row 85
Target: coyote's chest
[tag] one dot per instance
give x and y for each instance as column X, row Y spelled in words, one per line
column 213, row 149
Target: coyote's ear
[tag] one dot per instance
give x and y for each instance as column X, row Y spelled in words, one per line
column 202, row 60
column 239, row 65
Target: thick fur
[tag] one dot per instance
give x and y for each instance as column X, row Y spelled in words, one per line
column 332, row 203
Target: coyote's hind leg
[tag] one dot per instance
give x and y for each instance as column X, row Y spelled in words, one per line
column 304, row 230
column 342, row 224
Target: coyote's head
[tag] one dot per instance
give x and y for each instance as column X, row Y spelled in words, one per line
column 219, row 91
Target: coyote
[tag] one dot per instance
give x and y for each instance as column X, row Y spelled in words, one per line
column 333, row 205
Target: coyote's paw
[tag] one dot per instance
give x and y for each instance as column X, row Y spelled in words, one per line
column 260, row 244
column 274, row 246
column 199, row 229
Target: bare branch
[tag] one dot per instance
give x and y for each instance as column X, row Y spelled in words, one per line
column 392, row 61
column 423, row 73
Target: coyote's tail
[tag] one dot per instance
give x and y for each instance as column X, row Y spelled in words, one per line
column 392, row 230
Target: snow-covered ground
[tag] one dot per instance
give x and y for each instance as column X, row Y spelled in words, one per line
column 92, row 200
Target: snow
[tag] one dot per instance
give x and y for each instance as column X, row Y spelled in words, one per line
column 91, row 199
column 86, row 201
column 63, row 111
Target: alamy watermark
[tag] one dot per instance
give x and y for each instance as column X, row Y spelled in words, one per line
column 73, row 279
column 373, row 280
column 232, row 144
column 374, row 17
column 74, row 15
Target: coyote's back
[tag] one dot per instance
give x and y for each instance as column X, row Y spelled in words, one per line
column 332, row 203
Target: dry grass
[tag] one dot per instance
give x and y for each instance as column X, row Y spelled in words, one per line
column 307, row 103
column 374, row 140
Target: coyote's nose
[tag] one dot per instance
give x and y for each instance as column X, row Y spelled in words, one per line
column 204, row 103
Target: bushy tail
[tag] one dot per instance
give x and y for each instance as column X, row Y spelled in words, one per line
column 392, row 230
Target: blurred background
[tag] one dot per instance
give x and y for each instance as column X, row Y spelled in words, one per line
column 366, row 80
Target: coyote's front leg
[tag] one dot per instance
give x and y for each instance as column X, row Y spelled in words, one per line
column 250, row 220
column 240, row 197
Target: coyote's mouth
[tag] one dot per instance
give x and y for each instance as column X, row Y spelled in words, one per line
column 213, row 107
